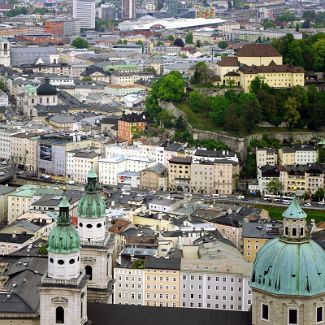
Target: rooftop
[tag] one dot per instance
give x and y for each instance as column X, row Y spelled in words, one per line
column 258, row 50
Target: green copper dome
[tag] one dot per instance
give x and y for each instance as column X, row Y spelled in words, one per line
column 64, row 238
column 92, row 204
column 291, row 265
column 290, row 268
column 294, row 211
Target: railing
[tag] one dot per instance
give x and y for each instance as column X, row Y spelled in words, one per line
column 73, row 282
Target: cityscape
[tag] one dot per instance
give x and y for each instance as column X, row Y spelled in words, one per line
column 162, row 162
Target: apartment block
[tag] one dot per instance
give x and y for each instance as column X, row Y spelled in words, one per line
column 298, row 155
column 179, row 174
column 266, row 156
column 128, row 286
column 218, row 278
column 162, row 281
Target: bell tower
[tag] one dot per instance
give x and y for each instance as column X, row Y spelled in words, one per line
column 63, row 290
column 4, row 52
column 96, row 243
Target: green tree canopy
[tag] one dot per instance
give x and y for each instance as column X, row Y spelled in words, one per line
column 202, row 74
column 223, row 44
column 275, row 186
column 189, row 38
column 80, row 43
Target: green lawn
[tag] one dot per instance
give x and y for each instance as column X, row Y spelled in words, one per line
column 198, row 120
column 276, row 212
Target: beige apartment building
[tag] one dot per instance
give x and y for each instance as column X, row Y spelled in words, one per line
column 304, row 178
column 24, row 150
column 79, row 162
column 287, row 156
column 266, row 156
column 179, row 174
column 154, row 178
column 220, row 177
column 298, row 155
column 162, row 281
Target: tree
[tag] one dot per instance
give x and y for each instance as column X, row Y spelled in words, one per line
column 80, row 43
column 292, row 114
column 171, row 87
column 223, row 44
column 2, row 85
column 198, row 102
column 297, row 27
column 171, row 38
column 40, row 11
column 211, row 144
column 202, row 74
column 319, row 55
column 179, row 42
column 268, row 24
column 256, row 85
column 275, row 186
column 198, row 43
column 319, row 195
column 189, row 38
column 42, row 250
column 16, row 12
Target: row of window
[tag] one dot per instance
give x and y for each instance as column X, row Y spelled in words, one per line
column 209, row 278
column 293, row 314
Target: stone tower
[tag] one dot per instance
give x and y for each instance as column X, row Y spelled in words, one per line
column 4, row 52
column 96, row 243
column 288, row 280
column 63, row 290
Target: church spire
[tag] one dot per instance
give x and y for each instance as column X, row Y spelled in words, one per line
column 294, row 222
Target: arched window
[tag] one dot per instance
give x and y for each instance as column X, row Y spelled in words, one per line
column 89, row 271
column 59, row 315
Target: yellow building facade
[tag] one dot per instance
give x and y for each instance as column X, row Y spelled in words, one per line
column 162, row 282
column 276, row 76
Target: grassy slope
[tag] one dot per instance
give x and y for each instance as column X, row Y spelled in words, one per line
column 197, row 120
column 276, row 212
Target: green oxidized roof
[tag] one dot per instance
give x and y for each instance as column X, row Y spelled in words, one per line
column 294, row 211
column 92, row 204
column 64, row 238
column 290, row 268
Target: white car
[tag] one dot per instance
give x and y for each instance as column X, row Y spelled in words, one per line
column 307, row 204
column 321, row 203
column 2, row 173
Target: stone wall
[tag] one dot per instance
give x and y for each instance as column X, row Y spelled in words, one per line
column 239, row 145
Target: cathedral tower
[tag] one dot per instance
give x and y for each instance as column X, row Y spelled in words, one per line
column 97, row 245
column 63, row 291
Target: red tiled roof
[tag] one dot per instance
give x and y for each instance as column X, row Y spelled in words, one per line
column 270, row 69
column 230, row 61
column 257, row 50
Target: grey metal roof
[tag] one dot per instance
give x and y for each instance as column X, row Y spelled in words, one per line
column 259, row 230
column 30, row 54
column 15, row 239
column 165, row 263
column 13, row 303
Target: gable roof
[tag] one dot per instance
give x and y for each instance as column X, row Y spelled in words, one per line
column 231, row 61
column 258, row 50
